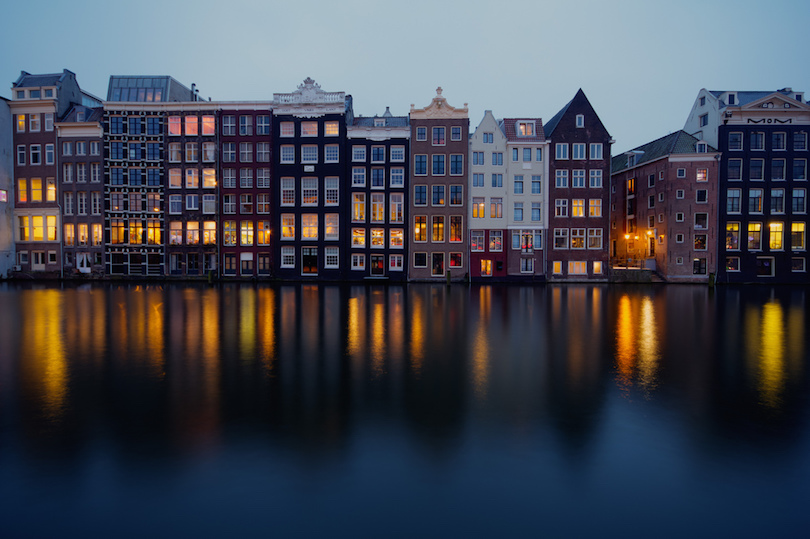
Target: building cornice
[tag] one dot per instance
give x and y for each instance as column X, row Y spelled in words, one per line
column 439, row 109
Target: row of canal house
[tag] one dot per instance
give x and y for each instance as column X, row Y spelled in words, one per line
column 156, row 182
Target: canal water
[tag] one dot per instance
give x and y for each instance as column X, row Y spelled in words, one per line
column 404, row 411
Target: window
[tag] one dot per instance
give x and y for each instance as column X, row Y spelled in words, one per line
column 192, row 125
column 577, row 238
column 420, row 165
column 699, row 266
column 175, row 126
column 527, row 155
column 497, row 158
column 518, row 211
column 561, row 207
column 420, row 228
column 288, row 257
column 286, row 129
column 778, row 169
column 420, row 195
column 437, row 195
column 754, row 236
column 679, row 194
column 421, row 133
column 175, row 203
column 358, row 237
column 478, row 207
column 702, row 175
column 578, row 151
column 33, row 122
column 496, row 241
column 580, row 120
column 263, row 152
column 358, row 261
column 596, row 151
column 309, row 191
column 438, row 229
column 518, row 185
column 578, row 178
column 797, row 236
column 701, row 221
column 561, row 238
column 477, row 240
column 800, row 169
column 309, row 153
column 478, row 180
column 488, row 138
column 397, row 177
column 775, row 235
column 701, row 196
column 331, row 191
column 229, row 125
column 595, row 207
column 456, row 164
column 358, row 177
column 497, row 180
column 800, row 141
column 704, row 118
column 679, row 217
column 735, row 169
column 733, row 236
column 246, row 152
column 777, row 201
column 287, row 191
column 700, row 242
column 287, row 154
column 733, row 198
column 228, row 152
column 287, row 226
column 495, row 208
column 536, row 185
column 309, row 129
column 681, row 173
column 757, row 140
column 331, row 129
column 799, row 201
column 398, row 154
column 755, row 200
column 561, row 179
column 456, row 229
column 246, row 125
column 331, row 231
column 456, row 192
column 377, row 178
column 797, row 265
column 594, row 238
column 377, row 208
column 309, row 226
column 561, row 151
column 536, row 211
column 358, row 207
column 578, row 207
column 596, row 179
column 35, row 154
column 438, row 136
column 377, row 154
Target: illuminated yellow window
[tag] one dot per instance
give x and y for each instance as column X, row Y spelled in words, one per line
column 309, row 226
column 331, row 129
column 557, row 267
column 70, row 237
column 486, row 267
column 25, row 233
column 36, row 190
column 578, row 207
column 776, row 236
column 210, row 232
column 135, row 231
column 22, row 190
column 98, row 234
column 175, row 233
column 702, row 175
column 597, row 267
column 358, row 237
column 209, row 127
column 50, row 194
column 377, row 237
column 797, row 237
column 38, row 229
column 51, row 223
column 246, row 232
column 287, row 226
column 192, row 125
column 21, row 123
column 263, row 233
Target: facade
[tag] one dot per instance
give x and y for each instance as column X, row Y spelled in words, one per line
column 38, row 101
column 487, row 198
column 439, row 150
column 377, row 154
column 527, row 197
column 81, row 190
column 579, row 169
column 7, row 253
column 309, row 138
column 247, row 191
column 664, row 208
column 763, row 186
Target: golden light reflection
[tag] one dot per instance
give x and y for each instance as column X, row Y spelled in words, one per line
column 266, row 331
column 648, row 353
column 155, row 318
column 481, row 345
column 625, row 341
column 378, row 336
column 44, row 364
column 247, row 324
column 772, row 355
column 356, row 329
column 418, row 315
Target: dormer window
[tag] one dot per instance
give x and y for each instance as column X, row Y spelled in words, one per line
column 34, row 94
column 701, row 147
column 732, row 99
column 379, row 122
column 20, row 94
column 48, row 92
column 525, row 129
column 631, row 160
column 580, row 120
column 80, row 116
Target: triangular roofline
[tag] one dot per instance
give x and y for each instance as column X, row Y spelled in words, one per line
column 757, row 103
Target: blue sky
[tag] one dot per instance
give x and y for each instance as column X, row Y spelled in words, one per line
column 641, row 63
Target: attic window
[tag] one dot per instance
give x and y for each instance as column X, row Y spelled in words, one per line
column 80, row 116
column 701, row 147
column 20, row 94
column 703, row 101
column 732, row 99
column 379, row 122
column 631, row 160
column 580, row 120
column 525, row 129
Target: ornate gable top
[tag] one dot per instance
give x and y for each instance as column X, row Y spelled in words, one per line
column 309, row 92
column 439, row 108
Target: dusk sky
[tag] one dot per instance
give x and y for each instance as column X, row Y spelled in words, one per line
column 641, row 63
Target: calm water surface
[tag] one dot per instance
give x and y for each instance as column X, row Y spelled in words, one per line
column 415, row 411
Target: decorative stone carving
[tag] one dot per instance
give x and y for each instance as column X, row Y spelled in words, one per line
column 438, row 108
column 309, row 100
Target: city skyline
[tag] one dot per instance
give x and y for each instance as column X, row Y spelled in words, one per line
column 524, row 61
